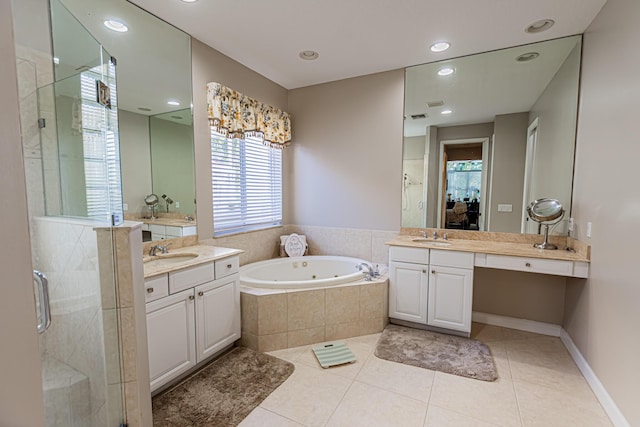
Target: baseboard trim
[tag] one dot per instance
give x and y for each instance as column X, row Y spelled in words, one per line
column 610, row 407
column 608, row 404
column 519, row 324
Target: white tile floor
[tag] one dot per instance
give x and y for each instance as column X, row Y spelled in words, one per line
column 538, row 385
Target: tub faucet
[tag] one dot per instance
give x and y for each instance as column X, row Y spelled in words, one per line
column 162, row 248
column 369, row 273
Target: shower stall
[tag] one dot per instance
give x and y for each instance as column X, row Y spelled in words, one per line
column 68, row 111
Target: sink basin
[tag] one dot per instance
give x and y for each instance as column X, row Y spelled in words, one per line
column 430, row 242
column 169, row 259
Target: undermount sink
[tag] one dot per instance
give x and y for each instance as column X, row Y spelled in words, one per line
column 430, row 242
column 168, row 259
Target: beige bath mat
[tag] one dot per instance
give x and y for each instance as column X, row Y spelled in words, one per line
column 438, row 352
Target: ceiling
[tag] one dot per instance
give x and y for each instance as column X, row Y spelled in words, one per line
column 482, row 86
column 357, row 37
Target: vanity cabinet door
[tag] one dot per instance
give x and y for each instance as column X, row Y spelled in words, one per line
column 408, row 291
column 450, row 295
column 171, row 337
column 217, row 315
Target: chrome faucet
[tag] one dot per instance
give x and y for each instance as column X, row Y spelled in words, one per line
column 368, row 271
column 188, row 218
column 435, row 235
column 162, row 248
column 424, row 234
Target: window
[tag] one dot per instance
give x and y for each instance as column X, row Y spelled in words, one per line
column 464, row 179
column 246, row 185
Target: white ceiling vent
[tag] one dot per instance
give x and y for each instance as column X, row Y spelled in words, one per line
column 418, row 116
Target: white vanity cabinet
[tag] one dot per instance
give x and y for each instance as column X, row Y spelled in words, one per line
column 171, row 337
column 431, row 287
column 450, row 290
column 162, row 232
column 199, row 317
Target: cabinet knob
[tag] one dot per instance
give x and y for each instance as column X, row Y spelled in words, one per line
column 528, row 264
column 433, row 272
column 191, row 297
column 229, row 265
column 424, row 271
column 149, row 290
column 200, row 293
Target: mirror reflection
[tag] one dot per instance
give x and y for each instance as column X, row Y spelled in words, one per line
column 154, row 103
column 486, row 134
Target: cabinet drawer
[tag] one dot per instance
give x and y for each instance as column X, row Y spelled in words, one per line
column 227, row 266
column 189, row 231
column 451, row 258
column 413, row 255
column 190, row 277
column 156, row 287
column 173, row 231
column 157, row 229
column 533, row 265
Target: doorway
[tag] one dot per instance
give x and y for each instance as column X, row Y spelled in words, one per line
column 463, row 183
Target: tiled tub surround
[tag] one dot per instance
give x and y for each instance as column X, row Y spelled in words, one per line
column 275, row 319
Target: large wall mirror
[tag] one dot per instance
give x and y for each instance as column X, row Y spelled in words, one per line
column 154, row 104
column 486, row 134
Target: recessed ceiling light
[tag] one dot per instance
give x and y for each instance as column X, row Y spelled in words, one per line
column 540, row 26
column 445, row 112
column 175, row 103
column 440, row 46
column 308, row 55
column 446, row 71
column 144, row 109
column 526, row 57
column 115, row 25
column 189, row 1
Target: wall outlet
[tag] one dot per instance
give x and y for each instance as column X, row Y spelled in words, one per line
column 125, row 206
column 177, row 205
column 589, row 229
column 505, row 208
column 571, row 224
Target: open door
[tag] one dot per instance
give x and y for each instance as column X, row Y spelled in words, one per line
column 463, row 183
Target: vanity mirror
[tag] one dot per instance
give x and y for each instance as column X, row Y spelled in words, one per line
column 154, row 104
column 486, row 134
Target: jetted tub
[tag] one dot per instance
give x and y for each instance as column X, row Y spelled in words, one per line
column 302, row 272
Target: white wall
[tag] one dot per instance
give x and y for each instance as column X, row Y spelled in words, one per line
column 135, row 158
column 21, row 393
column 347, row 152
column 602, row 314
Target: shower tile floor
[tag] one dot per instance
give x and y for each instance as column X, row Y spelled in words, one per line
column 538, row 385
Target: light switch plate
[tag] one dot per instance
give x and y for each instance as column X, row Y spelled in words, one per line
column 588, row 229
column 505, row 208
column 125, row 206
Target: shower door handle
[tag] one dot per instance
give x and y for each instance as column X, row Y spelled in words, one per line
column 44, row 310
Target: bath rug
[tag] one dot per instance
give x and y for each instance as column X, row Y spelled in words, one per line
column 222, row 393
column 333, row 354
column 438, row 352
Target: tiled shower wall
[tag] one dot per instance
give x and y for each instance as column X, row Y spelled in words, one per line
column 83, row 322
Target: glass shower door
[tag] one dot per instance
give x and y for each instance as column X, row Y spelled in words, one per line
column 73, row 175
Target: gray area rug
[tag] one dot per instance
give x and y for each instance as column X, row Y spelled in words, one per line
column 224, row 392
column 438, row 352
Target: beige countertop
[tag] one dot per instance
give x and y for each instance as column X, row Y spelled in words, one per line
column 203, row 254
column 488, row 247
column 175, row 222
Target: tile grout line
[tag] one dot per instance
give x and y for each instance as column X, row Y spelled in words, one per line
column 513, row 386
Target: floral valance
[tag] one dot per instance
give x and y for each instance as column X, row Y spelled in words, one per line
column 237, row 116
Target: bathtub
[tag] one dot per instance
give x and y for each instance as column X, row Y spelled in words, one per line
column 290, row 302
column 302, row 272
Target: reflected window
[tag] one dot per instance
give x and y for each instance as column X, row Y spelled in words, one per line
column 464, row 180
column 246, row 185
